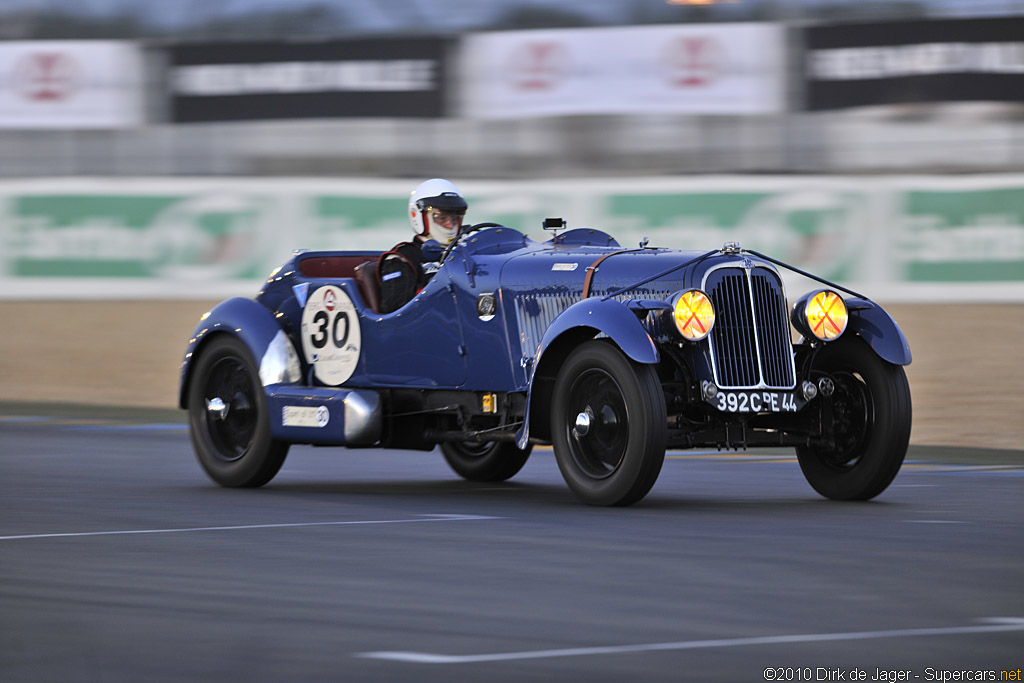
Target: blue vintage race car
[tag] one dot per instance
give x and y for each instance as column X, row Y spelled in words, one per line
column 609, row 354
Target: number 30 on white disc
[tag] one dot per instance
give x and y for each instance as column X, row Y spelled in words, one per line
column 330, row 335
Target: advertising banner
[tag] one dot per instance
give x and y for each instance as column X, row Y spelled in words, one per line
column 949, row 60
column 277, row 80
column 960, row 232
column 696, row 69
column 180, row 238
column 70, row 84
column 894, row 238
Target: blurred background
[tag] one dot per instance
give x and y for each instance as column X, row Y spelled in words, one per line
column 154, row 152
column 601, row 87
column 184, row 148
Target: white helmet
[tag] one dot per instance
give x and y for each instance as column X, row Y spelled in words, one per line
column 436, row 208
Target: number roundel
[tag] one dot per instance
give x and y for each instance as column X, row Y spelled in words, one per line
column 330, row 335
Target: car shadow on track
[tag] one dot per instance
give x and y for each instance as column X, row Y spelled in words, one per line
column 531, row 494
column 811, row 503
column 462, row 490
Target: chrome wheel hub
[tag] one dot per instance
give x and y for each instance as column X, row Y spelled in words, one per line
column 216, row 408
column 582, row 426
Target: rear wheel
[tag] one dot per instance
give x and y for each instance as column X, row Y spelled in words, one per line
column 608, row 425
column 228, row 421
column 867, row 429
column 492, row 461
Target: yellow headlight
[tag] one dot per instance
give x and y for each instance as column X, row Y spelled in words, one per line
column 694, row 315
column 826, row 315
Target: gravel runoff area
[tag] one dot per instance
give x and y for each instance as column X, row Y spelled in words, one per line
column 966, row 378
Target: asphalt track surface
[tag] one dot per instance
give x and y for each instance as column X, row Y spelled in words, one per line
column 120, row 561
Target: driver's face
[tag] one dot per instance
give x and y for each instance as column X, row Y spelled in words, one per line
column 447, row 219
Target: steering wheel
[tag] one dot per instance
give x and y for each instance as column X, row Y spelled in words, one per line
column 466, row 230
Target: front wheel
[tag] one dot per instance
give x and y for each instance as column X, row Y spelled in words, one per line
column 608, row 425
column 866, row 423
column 228, row 421
column 492, row 461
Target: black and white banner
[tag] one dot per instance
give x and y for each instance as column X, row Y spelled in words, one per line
column 249, row 81
column 955, row 60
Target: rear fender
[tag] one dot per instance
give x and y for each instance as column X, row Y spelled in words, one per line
column 256, row 327
column 580, row 322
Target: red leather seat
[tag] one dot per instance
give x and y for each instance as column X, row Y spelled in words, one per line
column 365, row 275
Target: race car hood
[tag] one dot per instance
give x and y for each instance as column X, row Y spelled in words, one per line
column 579, row 270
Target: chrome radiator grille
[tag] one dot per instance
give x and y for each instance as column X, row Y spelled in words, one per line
column 750, row 342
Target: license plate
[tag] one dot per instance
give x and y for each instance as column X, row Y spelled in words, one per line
column 755, row 401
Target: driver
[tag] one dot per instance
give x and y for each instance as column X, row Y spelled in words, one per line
column 436, row 209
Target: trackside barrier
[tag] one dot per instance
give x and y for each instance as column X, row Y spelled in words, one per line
column 897, row 238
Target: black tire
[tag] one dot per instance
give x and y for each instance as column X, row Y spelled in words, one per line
column 234, row 449
column 616, row 458
column 870, row 429
column 492, row 461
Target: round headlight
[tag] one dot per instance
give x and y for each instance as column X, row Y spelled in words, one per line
column 826, row 315
column 693, row 314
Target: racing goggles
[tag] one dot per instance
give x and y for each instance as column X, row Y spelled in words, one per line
column 448, row 219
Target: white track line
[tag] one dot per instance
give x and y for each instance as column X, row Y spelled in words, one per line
column 421, row 518
column 991, row 625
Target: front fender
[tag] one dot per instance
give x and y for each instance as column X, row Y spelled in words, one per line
column 252, row 323
column 578, row 323
column 873, row 324
column 604, row 316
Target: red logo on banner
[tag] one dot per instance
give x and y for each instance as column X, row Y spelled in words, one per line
column 47, row 76
column 538, row 65
column 693, row 61
column 330, row 300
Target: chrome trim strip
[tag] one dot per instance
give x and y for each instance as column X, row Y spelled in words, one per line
column 280, row 363
column 363, row 418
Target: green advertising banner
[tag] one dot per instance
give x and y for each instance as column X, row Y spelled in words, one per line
column 161, row 236
column 962, row 236
column 371, row 223
column 817, row 228
column 897, row 238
